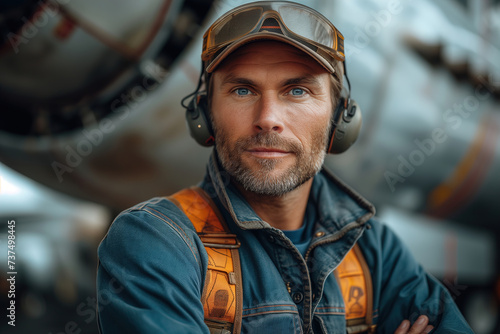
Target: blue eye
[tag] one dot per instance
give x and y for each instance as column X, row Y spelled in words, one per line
column 242, row 91
column 297, row 91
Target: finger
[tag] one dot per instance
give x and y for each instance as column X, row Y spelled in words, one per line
column 403, row 327
column 428, row 329
column 419, row 325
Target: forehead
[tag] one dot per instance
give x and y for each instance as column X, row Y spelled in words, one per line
column 269, row 53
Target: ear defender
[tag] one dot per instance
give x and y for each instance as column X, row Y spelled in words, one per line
column 346, row 125
column 346, row 120
column 198, row 121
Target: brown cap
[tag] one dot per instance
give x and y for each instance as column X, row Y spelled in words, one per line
column 325, row 60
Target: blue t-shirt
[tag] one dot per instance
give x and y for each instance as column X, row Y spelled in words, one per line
column 301, row 237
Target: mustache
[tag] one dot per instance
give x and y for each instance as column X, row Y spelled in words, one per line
column 268, row 140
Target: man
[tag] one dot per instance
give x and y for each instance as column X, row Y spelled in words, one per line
column 273, row 72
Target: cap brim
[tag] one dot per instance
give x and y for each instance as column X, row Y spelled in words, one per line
column 267, row 36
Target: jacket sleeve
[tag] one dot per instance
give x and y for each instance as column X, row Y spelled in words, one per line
column 404, row 290
column 150, row 277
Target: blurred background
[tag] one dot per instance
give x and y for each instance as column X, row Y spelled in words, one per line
column 91, row 123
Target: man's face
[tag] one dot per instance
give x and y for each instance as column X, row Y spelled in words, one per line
column 271, row 107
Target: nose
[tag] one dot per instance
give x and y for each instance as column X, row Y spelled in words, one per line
column 269, row 115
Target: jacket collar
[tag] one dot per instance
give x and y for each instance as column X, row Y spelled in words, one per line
column 338, row 204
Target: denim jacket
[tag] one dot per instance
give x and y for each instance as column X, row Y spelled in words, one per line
column 152, row 268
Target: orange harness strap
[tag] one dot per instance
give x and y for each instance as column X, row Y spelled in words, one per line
column 222, row 296
column 355, row 282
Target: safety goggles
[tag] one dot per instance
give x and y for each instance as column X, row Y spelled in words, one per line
column 293, row 23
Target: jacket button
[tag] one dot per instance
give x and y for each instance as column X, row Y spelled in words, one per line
column 319, row 234
column 297, row 297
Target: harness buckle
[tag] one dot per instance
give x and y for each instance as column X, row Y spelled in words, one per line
column 220, row 240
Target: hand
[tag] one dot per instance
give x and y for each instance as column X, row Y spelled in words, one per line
column 419, row 327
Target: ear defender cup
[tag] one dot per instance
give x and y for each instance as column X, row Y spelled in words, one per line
column 346, row 126
column 198, row 121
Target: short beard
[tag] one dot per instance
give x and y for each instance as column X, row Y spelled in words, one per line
column 262, row 181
